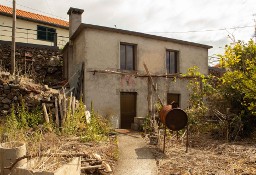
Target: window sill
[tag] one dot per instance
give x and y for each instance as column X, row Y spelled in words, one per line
column 45, row 40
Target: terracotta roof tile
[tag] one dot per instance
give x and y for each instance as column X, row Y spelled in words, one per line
column 34, row 16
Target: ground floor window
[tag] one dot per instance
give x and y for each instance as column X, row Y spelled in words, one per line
column 171, row 97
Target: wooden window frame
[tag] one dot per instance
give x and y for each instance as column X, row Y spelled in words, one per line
column 176, row 60
column 134, row 56
column 179, row 97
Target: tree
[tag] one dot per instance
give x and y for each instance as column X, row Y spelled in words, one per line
column 235, row 90
column 239, row 82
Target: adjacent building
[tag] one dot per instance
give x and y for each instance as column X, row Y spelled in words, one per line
column 33, row 28
column 113, row 77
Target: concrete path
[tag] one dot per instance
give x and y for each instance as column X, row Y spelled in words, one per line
column 135, row 158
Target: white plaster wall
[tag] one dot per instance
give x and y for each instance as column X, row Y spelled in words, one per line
column 31, row 37
column 102, row 52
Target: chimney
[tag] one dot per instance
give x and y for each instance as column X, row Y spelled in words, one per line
column 75, row 19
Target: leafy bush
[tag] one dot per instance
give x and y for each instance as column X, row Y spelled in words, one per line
column 98, row 129
column 147, row 125
column 74, row 124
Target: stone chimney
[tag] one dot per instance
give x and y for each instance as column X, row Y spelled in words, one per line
column 75, row 19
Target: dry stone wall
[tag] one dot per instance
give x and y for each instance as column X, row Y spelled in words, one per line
column 41, row 63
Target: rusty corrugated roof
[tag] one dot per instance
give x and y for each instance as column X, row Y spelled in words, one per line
column 34, row 16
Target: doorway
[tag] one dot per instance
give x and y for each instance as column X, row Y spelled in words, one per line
column 127, row 108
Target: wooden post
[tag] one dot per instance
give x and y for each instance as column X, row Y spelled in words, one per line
column 73, row 105
column 187, row 140
column 13, row 38
column 70, row 102
column 152, row 83
column 61, row 111
column 64, row 107
column 46, row 117
column 150, row 103
column 227, row 124
column 57, row 121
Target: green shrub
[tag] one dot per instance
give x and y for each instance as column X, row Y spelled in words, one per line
column 98, row 129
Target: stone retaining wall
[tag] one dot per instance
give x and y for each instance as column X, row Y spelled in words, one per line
column 41, row 63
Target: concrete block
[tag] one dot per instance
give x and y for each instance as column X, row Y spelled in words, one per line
column 139, row 120
column 73, row 167
column 135, row 126
column 9, row 152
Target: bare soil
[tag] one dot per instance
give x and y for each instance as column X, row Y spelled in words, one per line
column 206, row 156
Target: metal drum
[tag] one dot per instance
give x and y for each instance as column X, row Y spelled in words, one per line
column 174, row 119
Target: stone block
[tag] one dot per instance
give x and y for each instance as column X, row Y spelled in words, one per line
column 4, row 112
column 6, row 106
column 15, row 98
column 7, row 91
column 6, row 101
column 6, row 87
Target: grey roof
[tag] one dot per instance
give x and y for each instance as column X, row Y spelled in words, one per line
column 84, row 26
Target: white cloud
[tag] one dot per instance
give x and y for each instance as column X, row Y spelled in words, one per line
column 161, row 16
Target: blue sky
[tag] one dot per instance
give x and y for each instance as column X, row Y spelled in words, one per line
column 210, row 22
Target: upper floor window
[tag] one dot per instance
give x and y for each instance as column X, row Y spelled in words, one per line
column 171, row 61
column 45, row 33
column 127, row 56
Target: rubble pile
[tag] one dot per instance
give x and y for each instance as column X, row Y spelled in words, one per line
column 14, row 89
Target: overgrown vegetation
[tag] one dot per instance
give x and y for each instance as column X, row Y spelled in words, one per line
column 96, row 128
column 147, row 126
column 229, row 99
column 24, row 125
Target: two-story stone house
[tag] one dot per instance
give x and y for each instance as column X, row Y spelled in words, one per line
column 114, row 78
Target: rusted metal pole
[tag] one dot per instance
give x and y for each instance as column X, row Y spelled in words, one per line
column 187, row 140
column 164, row 138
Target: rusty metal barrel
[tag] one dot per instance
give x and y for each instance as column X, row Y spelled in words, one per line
column 174, row 118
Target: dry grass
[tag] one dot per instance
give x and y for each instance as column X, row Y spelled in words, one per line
column 207, row 156
column 53, row 145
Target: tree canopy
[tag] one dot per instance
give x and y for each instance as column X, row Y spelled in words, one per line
column 239, row 82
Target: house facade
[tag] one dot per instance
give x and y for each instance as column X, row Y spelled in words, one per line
column 114, row 76
column 33, row 28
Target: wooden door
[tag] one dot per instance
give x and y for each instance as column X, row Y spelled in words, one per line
column 128, row 108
